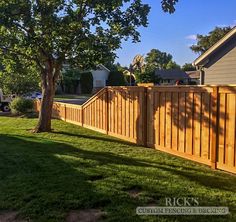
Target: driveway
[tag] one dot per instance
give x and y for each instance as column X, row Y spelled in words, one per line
column 5, row 113
column 72, row 101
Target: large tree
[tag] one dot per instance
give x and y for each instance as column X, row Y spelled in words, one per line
column 52, row 32
column 156, row 58
column 204, row 42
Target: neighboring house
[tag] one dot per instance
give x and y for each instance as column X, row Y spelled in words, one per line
column 170, row 76
column 218, row 64
column 100, row 77
column 194, row 77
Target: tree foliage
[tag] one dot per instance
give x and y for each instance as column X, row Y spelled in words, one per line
column 116, row 78
column 156, row 58
column 188, row 67
column 86, row 82
column 18, row 76
column 172, row 65
column 204, row 42
column 147, row 76
column 69, row 80
column 169, row 5
column 83, row 32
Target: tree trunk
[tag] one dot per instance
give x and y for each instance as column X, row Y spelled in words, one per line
column 45, row 114
column 49, row 77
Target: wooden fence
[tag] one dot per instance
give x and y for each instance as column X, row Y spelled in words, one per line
column 193, row 122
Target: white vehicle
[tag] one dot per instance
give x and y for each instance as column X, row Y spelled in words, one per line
column 5, row 102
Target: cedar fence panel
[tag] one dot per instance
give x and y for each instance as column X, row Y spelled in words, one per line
column 227, row 129
column 193, row 122
column 95, row 112
column 179, row 121
column 126, row 113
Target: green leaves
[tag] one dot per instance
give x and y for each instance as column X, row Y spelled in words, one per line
column 169, row 5
column 204, row 42
column 158, row 59
column 83, row 33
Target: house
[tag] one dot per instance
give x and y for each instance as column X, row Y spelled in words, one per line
column 194, row 77
column 218, row 64
column 170, row 76
column 100, row 77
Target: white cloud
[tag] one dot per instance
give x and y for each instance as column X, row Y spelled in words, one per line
column 191, row 37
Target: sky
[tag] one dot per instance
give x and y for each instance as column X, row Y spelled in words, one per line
column 174, row 33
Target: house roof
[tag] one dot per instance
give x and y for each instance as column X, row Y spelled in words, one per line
column 101, row 66
column 175, row 74
column 193, row 74
column 201, row 59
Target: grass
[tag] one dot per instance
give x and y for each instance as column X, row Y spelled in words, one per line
column 72, row 96
column 44, row 176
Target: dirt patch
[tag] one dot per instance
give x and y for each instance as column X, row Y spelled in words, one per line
column 10, row 216
column 88, row 215
column 134, row 193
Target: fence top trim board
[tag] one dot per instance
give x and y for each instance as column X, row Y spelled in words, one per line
column 94, row 97
column 70, row 104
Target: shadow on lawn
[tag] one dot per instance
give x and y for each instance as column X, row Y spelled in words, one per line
column 102, row 138
column 216, row 181
column 45, row 180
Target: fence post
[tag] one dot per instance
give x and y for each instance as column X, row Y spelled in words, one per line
column 214, row 126
column 65, row 112
column 82, row 116
column 145, row 118
column 107, row 111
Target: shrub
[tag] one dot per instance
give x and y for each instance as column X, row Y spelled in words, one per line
column 21, row 105
column 116, row 78
column 70, row 80
column 86, row 81
column 148, row 76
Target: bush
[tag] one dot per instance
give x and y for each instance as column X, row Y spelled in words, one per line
column 86, row 81
column 148, row 76
column 21, row 105
column 116, row 78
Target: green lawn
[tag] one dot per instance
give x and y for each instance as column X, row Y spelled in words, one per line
column 44, row 176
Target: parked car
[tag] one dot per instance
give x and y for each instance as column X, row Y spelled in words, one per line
column 33, row 95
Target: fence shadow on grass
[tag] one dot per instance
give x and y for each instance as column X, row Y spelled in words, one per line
column 46, row 179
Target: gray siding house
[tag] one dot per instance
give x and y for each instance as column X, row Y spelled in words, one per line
column 218, row 64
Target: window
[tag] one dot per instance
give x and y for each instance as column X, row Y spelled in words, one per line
column 98, row 83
